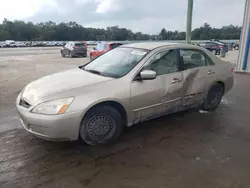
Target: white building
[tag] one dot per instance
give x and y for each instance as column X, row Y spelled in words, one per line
column 243, row 64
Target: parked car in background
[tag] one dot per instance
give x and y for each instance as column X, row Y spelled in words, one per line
column 9, row 43
column 73, row 49
column 28, row 44
column 20, row 44
column 130, row 84
column 103, row 47
column 236, row 46
column 12, row 44
column 214, row 46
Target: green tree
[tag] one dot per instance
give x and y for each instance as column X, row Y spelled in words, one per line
column 27, row 31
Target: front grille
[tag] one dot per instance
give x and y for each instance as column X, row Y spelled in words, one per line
column 24, row 104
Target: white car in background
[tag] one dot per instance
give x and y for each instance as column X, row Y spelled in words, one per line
column 20, row 44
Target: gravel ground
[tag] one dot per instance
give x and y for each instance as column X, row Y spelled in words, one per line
column 185, row 150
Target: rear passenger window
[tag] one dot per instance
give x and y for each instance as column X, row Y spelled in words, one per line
column 194, row 58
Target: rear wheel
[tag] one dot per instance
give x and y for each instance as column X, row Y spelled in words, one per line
column 213, row 98
column 101, row 125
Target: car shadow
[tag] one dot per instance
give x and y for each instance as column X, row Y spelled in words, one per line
column 69, row 158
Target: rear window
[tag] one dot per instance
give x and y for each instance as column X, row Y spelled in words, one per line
column 80, row 44
column 115, row 45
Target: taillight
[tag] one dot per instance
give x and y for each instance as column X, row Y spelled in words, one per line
column 233, row 69
column 220, row 46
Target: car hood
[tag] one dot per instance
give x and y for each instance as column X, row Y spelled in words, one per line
column 58, row 83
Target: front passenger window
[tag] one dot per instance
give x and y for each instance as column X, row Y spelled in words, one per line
column 164, row 63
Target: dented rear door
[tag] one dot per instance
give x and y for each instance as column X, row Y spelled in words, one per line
column 198, row 75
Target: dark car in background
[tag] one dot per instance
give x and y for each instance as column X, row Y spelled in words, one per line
column 103, row 47
column 236, row 46
column 214, row 46
column 73, row 49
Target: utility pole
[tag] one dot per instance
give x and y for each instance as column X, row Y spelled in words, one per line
column 189, row 21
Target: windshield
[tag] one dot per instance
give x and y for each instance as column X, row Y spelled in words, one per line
column 116, row 63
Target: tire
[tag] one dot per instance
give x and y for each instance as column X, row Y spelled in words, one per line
column 101, row 125
column 213, row 98
column 214, row 52
column 236, row 47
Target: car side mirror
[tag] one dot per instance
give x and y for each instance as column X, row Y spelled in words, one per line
column 148, row 75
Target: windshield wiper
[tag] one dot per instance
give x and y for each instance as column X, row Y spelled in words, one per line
column 94, row 71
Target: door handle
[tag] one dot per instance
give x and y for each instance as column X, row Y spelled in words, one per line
column 175, row 80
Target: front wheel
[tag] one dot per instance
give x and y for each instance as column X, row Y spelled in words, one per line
column 213, row 98
column 101, row 125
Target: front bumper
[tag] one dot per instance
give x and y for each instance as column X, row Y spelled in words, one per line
column 51, row 127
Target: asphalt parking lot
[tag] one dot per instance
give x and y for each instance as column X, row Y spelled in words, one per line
column 185, row 150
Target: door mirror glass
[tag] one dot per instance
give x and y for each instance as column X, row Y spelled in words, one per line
column 148, row 75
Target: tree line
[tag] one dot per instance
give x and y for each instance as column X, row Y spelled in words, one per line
column 72, row 31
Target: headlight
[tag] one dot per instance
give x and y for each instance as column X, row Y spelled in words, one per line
column 53, row 107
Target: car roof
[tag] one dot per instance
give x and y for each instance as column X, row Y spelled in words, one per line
column 153, row 45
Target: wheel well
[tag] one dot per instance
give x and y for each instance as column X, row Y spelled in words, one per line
column 222, row 84
column 117, row 106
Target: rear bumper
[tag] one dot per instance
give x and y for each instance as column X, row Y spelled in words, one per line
column 81, row 53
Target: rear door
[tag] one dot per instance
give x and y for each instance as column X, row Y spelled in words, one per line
column 198, row 74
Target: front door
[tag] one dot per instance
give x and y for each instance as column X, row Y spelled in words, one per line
column 153, row 98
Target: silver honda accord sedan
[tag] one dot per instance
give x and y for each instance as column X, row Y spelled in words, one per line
column 130, row 84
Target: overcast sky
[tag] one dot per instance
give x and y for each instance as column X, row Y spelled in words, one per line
column 148, row 16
